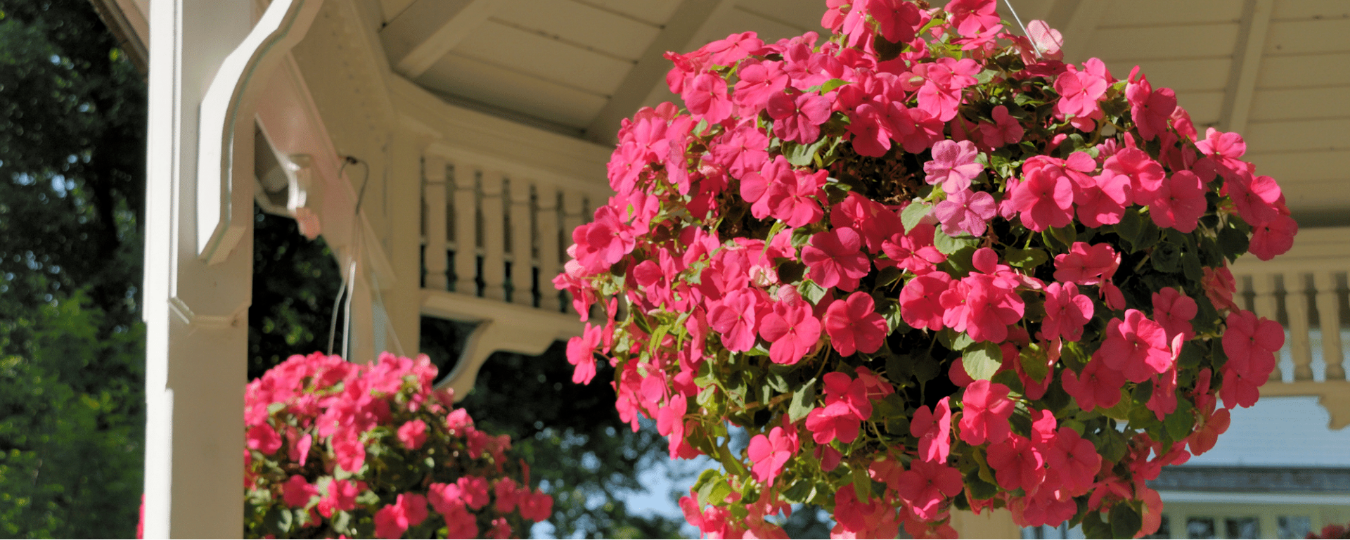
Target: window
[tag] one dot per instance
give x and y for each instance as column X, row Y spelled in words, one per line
column 1242, row 527
column 1200, row 527
column 1293, row 527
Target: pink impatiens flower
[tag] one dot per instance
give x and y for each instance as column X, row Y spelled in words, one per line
column 1149, row 109
column 835, row 259
column 1179, row 202
column 1086, row 264
column 920, row 300
column 934, row 430
column 1066, row 312
column 1005, row 130
column 412, row 434
column 965, row 212
column 953, row 165
column 769, row 454
column 296, row 491
column 1135, row 346
column 581, row 353
column 1074, row 462
column 799, row 118
column 792, row 330
column 1044, row 198
column 986, row 409
column 926, row 484
column 1174, row 311
column 854, row 325
column 734, row 318
column 706, row 96
column 1097, row 386
column 1017, row 463
column 1079, row 91
column 1274, row 237
column 1250, row 344
column 263, row 439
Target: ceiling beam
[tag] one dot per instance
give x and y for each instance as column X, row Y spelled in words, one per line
column 424, row 32
column 1237, row 97
column 651, row 68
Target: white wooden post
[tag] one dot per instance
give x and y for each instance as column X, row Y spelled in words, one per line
column 572, row 216
column 522, row 244
column 433, row 194
column 207, row 64
column 1296, row 305
column 1329, row 315
column 466, row 230
column 494, row 237
column 549, row 255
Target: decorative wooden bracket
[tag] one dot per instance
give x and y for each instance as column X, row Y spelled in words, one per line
column 225, row 142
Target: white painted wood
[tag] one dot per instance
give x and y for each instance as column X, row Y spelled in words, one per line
column 1079, row 31
column 1184, row 75
column 491, row 208
column 1309, row 9
column 1296, row 306
column 1297, row 136
column 550, row 253
column 196, row 335
column 1247, row 60
column 500, row 329
column 1267, row 306
column 1205, row 107
column 1292, row 168
column 1158, row 42
column 1305, row 70
column 625, row 37
column 506, row 89
column 1308, row 37
column 1152, row 12
column 521, row 236
column 1329, row 317
column 423, row 32
column 651, row 67
column 572, row 217
column 466, row 229
column 400, row 301
column 225, row 144
column 544, row 57
column 1303, row 103
column 433, row 193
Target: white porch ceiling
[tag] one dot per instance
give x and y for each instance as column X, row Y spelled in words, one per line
column 1276, row 70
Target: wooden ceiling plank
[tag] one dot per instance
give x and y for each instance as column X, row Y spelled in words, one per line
column 651, row 69
column 1079, row 27
column 428, row 29
column 1237, row 100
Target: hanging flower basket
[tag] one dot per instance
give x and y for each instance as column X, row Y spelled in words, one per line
column 371, row 450
column 925, row 265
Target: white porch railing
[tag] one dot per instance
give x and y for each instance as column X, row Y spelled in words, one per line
column 494, row 235
column 1306, row 291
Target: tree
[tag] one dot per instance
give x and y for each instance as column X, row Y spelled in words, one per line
column 71, row 196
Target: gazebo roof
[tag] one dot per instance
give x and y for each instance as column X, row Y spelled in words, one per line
column 1271, row 69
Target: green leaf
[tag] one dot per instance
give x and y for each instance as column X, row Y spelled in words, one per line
column 1166, row 257
column 1179, row 423
column 862, row 485
column 799, row 491
column 1130, row 226
column 1026, row 258
column 914, row 213
column 1094, row 527
column 1034, row 363
column 1125, row 520
column 703, row 487
column 899, row 368
column 776, row 381
column 810, row 291
column 948, row 245
column 1233, row 243
column 962, row 341
column 802, row 155
column 803, row 401
column 832, row 84
column 889, row 275
column 982, row 361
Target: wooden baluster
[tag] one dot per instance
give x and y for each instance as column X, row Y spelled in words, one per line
column 494, row 237
column 572, row 215
column 1266, row 306
column 1329, row 315
column 433, row 197
column 1296, row 305
column 549, row 254
column 466, row 229
column 522, row 244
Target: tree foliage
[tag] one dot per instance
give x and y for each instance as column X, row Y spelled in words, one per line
column 71, row 343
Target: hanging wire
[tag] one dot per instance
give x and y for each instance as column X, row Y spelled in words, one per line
column 1024, row 28
column 348, row 280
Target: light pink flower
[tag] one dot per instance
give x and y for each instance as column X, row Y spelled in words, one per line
column 953, row 165
column 966, row 212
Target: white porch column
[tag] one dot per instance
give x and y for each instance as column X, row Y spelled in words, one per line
column 207, row 60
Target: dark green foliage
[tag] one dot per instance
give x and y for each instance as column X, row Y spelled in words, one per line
column 72, row 147
column 295, row 281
